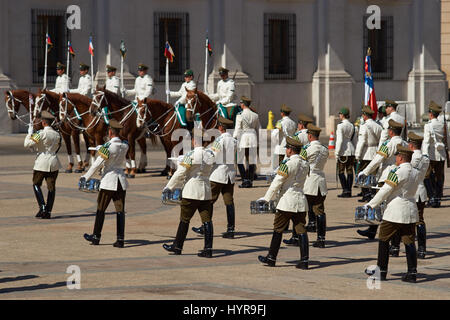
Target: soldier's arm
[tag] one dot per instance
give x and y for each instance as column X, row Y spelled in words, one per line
column 237, row 127
column 383, row 137
column 31, row 140
column 362, row 140
column 179, row 176
column 228, row 96
column 277, row 183
column 95, row 166
column 374, row 164
column 381, row 195
column 426, row 140
column 339, row 137
column 177, row 94
column 148, row 88
column 64, row 85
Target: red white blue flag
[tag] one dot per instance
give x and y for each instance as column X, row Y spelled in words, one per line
column 72, row 53
column 208, row 45
column 168, row 52
column 369, row 99
column 49, row 42
column 91, row 46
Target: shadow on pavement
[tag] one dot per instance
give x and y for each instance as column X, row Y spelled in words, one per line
column 11, row 279
column 35, row 287
column 318, row 265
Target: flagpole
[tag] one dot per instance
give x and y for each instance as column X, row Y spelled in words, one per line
column 92, row 70
column 45, row 64
column 121, row 76
column 205, row 89
column 167, row 80
column 68, row 63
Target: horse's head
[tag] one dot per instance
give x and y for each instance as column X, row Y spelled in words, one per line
column 64, row 106
column 143, row 112
column 12, row 104
column 192, row 102
column 99, row 101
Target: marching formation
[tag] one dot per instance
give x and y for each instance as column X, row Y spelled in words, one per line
column 399, row 173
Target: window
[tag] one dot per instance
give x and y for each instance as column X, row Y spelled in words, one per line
column 172, row 27
column 55, row 20
column 381, row 42
column 279, row 46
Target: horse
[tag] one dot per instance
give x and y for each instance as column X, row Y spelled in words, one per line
column 14, row 99
column 198, row 102
column 49, row 100
column 125, row 112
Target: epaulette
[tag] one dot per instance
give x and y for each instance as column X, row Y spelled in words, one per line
column 104, row 151
column 303, row 154
column 383, row 151
column 187, row 160
column 392, row 178
column 283, row 170
column 285, row 160
column 36, row 137
column 125, row 141
column 217, row 146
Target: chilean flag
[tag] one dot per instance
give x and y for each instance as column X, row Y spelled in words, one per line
column 168, row 52
column 91, row 47
column 49, row 42
column 208, row 45
column 369, row 98
column 71, row 50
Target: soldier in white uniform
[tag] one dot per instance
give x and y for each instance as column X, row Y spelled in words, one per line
column 287, row 188
column 143, row 86
column 46, row 166
column 287, row 128
column 345, row 152
column 112, row 82
column 420, row 162
column 400, row 215
column 382, row 116
column 302, row 132
column 113, row 184
column 433, row 146
column 391, row 111
column 246, row 132
column 316, row 185
column 193, row 175
column 180, row 104
column 225, row 95
column 385, row 158
column 62, row 80
column 366, row 149
column 85, row 81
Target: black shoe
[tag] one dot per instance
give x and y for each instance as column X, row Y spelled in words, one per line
column 118, row 244
column 409, row 277
column 269, row 260
column 246, row 184
column 319, row 243
column 345, row 194
column 171, row 248
column 293, row 241
column 199, row 230
column 311, row 227
column 229, row 234
column 46, row 215
column 92, row 238
column 206, row 253
column 302, row 265
column 421, row 253
column 394, row 251
column 367, row 233
column 39, row 214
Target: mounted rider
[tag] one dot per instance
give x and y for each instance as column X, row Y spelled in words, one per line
column 224, row 98
column 180, row 104
column 112, row 82
column 85, row 81
column 62, row 80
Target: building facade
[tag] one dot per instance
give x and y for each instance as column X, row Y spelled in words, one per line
column 308, row 54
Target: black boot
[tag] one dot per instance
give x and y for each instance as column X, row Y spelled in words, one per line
column 271, row 258
column 321, row 230
column 209, row 232
column 251, row 174
column 98, row 226
column 343, row 182
column 120, row 222
column 241, row 169
column 303, row 243
column 421, row 241
column 199, row 230
column 411, row 260
column 40, row 200
column 369, row 232
column 311, row 226
column 349, row 185
column 394, row 248
column 177, row 246
column 48, row 208
column 383, row 258
column 293, row 241
column 429, row 188
column 230, row 222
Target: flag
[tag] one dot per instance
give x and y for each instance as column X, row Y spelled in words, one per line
column 208, row 45
column 168, row 52
column 369, row 98
column 49, row 42
column 122, row 49
column 72, row 53
column 91, row 46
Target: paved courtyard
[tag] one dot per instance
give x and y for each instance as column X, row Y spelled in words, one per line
column 35, row 254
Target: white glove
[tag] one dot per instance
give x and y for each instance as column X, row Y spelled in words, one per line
column 123, row 90
column 165, row 190
column 167, row 92
column 366, row 206
column 30, row 129
column 361, row 174
column 261, row 200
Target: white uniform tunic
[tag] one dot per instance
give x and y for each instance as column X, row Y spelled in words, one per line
column 181, row 94
column 287, row 186
column 84, row 85
column 247, row 127
column 287, row 128
column 369, row 135
column 112, row 155
column 399, row 192
column 225, row 93
column 317, row 156
column 385, row 134
column 61, row 84
column 302, row 135
column 385, row 157
column 433, row 140
column 143, row 87
column 46, row 142
column 421, row 163
column 224, row 148
column 195, row 169
column 345, row 139
column 113, row 84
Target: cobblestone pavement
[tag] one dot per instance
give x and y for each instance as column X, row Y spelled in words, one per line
column 35, row 254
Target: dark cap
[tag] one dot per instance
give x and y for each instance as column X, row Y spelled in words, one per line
column 246, row 101
column 113, row 123
column 110, row 68
column 394, row 125
column 313, row 129
column 47, row 115
column 304, row 118
column 403, row 150
column 414, row 137
column 83, row 67
column 189, row 73
column 59, row 66
column 344, row 111
column 391, row 103
column 142, row 67
column 225, row 122
column 223, row 70
column 285, row 109
column 367, row 110
column 293, row 142
column 434, row 107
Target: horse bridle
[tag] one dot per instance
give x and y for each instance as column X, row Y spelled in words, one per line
column 189, row 103
column 140, row 119
column 11, row 99
column 96, row 103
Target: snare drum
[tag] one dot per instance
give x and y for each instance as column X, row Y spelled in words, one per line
column 171, row 198
column 263, row 207
column 92, row 185
column 366, row 181
column 369, row 215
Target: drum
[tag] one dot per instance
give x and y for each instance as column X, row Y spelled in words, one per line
column 92, row 185
column 263, row 207
column 171, row 198
column 366, row 181
column 369, row 215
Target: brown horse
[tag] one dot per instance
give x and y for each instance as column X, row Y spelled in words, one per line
column 49, row 100
column 14, row 99
column 199, row 103
column 125, row 112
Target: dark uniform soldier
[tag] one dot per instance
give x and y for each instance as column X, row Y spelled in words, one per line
column 292, row 204
column 113, row 184
column 401, row 213
column 46, row 166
